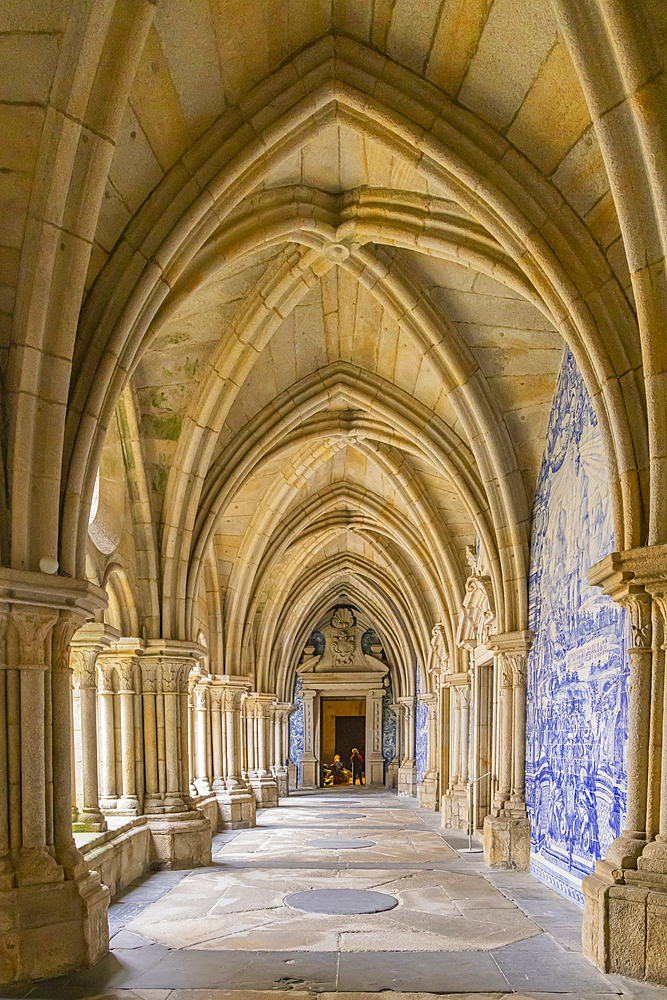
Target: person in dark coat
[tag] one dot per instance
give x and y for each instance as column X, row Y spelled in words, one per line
column 338, row 771
column 357, row 762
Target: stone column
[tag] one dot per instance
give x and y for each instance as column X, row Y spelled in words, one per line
column 429, row 785
column 122, row 658
column 236, row 801
column 310, row 764
column 107, row 736
column 519, row 670
column 463, row 692
column 192, row 725
column 153, row 798
column 54, row 908
column 180, row 834
column 262, row 782
column 407, row 772
column 88, row 642
column 456, row 737
column 507, row 828
column 625, row 898
column 506, row 685
column 218, row 740
column 202, row 780
column 481, row 763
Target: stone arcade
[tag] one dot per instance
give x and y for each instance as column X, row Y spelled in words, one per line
column 334, row 372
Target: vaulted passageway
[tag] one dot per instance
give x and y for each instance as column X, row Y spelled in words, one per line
column 332, row 379
column 348, row 890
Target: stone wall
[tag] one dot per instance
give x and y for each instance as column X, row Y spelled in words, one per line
column 577, row 669
column 119, row 856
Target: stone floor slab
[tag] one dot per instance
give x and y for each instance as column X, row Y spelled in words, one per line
column 338, row 844
column 443, row 973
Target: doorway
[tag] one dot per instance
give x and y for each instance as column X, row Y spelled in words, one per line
column 343, row 730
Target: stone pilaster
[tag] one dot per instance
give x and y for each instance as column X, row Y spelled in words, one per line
column 54, row 909
column 310, row 765
column 374, row 763
column 87, row 643
column 625, row 907
column 407, row 772
column 507, row 828
column 429, row 797
column 454, row 802
column 391, row 773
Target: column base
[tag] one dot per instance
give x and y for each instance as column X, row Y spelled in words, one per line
column 375, row 772
column 238, row 809
column 428, row 791
column 153, row 804
column 507, row 842
column 265, row 791
column 625, row 919
column 128, row 806
column 391, row 776
column 292, row 777
column 280, row 774
column 180, row 840
column 89, row 822
column 407, row 780
column 50, row 930
column 454, row 809
column 310, row 774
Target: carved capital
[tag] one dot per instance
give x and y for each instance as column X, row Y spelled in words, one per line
column 124, row 668
column 462, row 695
column 33, row 626
column 105, row 672
column 232, row 698
column 148, row 676
column 172, row 673
column 408, row 706
column 639, row 605
column 82, row 661
column 63, row 631
column 200, row 699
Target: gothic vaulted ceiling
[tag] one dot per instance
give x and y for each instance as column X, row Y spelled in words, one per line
column 339, row 251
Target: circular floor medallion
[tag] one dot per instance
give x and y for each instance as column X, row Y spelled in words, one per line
column 341, row 901
column 338, row 844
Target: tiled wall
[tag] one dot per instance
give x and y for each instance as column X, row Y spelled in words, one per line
column 388, row 725
column 421, row 732
column 578, row 668
column 296, row 727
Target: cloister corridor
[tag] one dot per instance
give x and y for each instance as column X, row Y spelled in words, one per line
column 226, row 931
column 333, row 449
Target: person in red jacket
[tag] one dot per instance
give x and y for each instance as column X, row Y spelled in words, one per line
column 357, row 762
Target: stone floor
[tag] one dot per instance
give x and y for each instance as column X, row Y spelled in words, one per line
column 456, row 928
